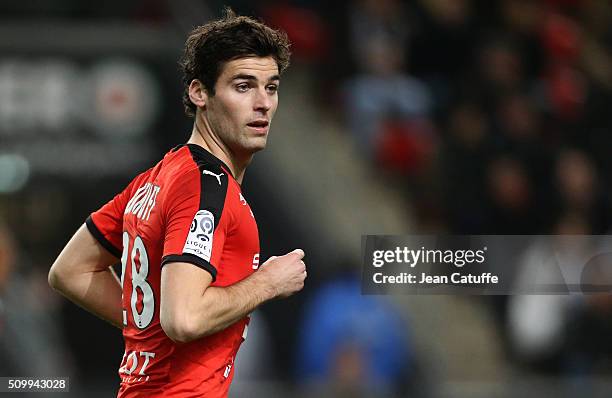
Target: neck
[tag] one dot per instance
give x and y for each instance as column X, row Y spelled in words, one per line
column 203, row 136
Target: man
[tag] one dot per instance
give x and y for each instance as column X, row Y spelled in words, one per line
column 186, row 237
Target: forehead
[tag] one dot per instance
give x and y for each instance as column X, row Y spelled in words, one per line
column 262, row 68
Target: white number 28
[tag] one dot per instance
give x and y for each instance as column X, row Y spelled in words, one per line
column 139, row 275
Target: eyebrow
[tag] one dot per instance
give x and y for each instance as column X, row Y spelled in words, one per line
column 251, row 77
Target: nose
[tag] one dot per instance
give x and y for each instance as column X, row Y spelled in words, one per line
column 263, row 101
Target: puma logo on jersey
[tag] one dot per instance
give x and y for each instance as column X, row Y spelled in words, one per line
column 143, row 201
column 217, row 176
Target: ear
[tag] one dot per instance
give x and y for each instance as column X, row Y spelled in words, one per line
column 198, row 94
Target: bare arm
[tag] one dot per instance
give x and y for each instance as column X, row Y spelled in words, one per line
column 83, row 275
column 191, row 309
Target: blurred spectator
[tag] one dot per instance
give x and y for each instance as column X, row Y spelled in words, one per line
column 353, row 345
column 538, row 323
column 518, row 123
column 465, row 150
column 579, row 190
column 6, row 267
column 500, row 71
column 521, row 21
column 442, row 42
column 520, row 129
column 377, row 22
column 31, row 343
column 510, row 190
column 562, row 332
column 565, row 85
column 405, row 147
column 382, row 98
column 306, row 29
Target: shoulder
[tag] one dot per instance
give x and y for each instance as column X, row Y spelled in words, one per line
column 190, row 161
column 192, row 171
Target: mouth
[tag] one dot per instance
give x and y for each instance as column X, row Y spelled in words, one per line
column 259, row 125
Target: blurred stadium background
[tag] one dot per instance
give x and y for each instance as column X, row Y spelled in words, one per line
column 424, row 116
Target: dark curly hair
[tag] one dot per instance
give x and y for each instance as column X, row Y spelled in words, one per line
column 209, row 46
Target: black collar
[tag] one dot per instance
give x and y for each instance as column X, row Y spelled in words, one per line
column 201, row 153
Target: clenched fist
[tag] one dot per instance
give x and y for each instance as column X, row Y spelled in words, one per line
column 285, row 274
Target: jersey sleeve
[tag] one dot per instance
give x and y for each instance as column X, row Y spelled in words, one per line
column 106, row 224
column 197, row 222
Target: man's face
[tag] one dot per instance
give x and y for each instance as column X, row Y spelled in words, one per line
column 245, row 100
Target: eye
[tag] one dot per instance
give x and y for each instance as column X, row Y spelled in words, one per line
column 242, row 87
column 272, row 88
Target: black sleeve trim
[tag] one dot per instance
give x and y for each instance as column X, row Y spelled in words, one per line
column 101, row 239
column 192, row 259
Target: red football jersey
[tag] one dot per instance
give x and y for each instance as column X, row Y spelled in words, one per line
column 188, row 208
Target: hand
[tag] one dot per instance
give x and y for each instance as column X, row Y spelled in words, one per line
column 285, row 274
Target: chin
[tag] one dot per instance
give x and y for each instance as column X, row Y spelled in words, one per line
column 257, row 149
column 257, row 144
column 250, row 150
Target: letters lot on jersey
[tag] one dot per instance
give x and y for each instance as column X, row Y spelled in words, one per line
column 200, row 239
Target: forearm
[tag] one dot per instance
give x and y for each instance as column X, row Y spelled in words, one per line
column 190, row 308
column 219, row 307
column 223, row 306
column 98, row 292
column 82, row 274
